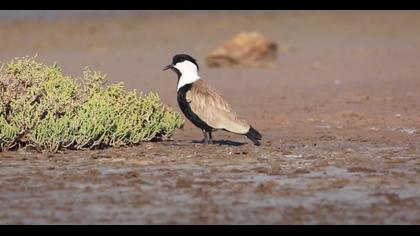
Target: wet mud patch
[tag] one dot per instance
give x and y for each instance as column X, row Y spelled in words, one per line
column 240, row 184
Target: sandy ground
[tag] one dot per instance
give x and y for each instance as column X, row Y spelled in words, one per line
column 339, row 114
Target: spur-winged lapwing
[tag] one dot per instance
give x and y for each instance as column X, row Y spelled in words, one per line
column 204, row 106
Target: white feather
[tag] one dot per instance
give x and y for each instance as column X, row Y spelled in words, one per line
column 189, row 73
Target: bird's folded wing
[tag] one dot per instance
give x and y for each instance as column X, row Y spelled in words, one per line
column 213, row 109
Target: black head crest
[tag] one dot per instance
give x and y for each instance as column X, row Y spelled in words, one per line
column 183, row 57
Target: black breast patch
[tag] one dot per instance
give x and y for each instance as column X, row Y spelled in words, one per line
column 186, row 109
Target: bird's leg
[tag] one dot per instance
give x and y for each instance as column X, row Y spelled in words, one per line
column 206, row 140
column 210, row 138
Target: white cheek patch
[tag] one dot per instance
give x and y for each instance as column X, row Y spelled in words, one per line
column 186, row 67
column 189, row 73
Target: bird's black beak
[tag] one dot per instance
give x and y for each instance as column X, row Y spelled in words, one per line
column 168, row 67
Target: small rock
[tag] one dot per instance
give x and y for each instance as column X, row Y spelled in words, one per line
column 301, row 171
column 327, row 137
column 360, row 169
column 131, row 174
column 183, row 183
column 267, row 187
column 286, row 152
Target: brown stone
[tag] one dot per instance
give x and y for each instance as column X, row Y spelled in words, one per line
column 248, row 49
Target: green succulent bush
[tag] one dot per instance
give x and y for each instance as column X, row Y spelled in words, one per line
column 48, row 111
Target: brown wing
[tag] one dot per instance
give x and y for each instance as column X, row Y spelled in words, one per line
column 210, row 106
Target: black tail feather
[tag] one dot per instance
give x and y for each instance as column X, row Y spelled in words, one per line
column 254, row 135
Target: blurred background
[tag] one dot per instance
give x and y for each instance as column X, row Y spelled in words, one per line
column 337, row 58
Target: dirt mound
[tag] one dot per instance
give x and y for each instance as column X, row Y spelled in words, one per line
column 245, row 49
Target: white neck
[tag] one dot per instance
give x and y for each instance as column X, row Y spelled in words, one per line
column 187, row 79
column 189, row 73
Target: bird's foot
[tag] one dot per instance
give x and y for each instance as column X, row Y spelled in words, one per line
column 206, row 141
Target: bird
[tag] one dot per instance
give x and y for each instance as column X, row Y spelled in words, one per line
column 203, row 105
